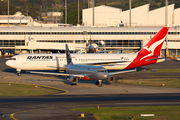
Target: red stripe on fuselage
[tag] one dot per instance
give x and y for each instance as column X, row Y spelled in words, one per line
column 85, row 78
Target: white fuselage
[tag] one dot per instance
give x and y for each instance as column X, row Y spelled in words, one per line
column 55, row 61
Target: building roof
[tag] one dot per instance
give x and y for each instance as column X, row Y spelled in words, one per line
column 82, row 29
column 105, row 7
column 14, row 19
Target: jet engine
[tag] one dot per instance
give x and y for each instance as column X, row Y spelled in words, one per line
column 72, row 80
column 110, row 79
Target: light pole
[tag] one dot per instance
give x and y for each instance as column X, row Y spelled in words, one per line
column 129, row 13
column 65, row 11
column 166, row 24
column 78, row 11
column 8, row 13
column 92, row 12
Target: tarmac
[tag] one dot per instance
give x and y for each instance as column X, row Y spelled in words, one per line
column 85, row 94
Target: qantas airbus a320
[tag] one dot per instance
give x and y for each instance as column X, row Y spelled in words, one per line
column 149, row 54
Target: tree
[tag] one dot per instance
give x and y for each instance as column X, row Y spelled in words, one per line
column 4, row 8
column 72, row 13
column 33, row 10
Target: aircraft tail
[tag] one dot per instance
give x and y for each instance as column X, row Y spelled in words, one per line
column 153, row 47
column 150, row 52
column 68, row 56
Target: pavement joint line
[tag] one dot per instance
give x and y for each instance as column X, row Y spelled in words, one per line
column 88, row 105
column 12, row 115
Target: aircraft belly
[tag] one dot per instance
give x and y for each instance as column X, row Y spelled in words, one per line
column 116, row 66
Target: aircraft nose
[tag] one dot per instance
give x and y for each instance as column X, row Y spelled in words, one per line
column 8, row 63
column 104, row 76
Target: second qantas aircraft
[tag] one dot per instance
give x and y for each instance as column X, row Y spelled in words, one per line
column 147, row 55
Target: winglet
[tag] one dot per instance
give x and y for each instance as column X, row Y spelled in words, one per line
column 68, row 55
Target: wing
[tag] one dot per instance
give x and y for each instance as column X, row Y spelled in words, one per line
column 60, row 74
column 57, row 67
column 123, row 71
column 103, row 63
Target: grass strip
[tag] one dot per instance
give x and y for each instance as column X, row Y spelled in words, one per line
column 125, row 113
column 168, row 82
column 160, row 71
column 14, row 89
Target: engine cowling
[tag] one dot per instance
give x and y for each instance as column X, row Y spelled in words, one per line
column 72, row 80
column 110, row 79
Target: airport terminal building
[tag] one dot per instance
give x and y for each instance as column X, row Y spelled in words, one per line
column 54, row 38
column 111, row 30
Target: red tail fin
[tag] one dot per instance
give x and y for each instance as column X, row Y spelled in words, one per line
column 153, row 47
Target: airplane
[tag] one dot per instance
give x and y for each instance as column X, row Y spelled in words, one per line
column 84, row 72
column 149, row 54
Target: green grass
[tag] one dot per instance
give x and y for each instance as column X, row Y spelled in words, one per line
column 160, row 71
column 124, row 113
column 155, row 81
column 169, row 82
column 11, row 89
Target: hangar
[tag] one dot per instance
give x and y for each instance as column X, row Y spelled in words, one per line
column 140, row 16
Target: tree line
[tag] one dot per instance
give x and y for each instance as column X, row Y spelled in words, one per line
column 34, row 7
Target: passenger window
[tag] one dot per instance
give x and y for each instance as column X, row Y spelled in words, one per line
column 101, row 70
column 13, row 59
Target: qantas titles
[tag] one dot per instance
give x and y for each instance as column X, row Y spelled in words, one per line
column 39, row 57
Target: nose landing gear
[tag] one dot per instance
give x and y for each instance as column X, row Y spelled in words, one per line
column 99, row 83
column 18, row 72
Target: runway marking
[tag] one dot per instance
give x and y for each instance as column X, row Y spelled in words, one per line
column 12, row 115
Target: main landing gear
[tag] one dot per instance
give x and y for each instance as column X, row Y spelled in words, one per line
column 99, row 83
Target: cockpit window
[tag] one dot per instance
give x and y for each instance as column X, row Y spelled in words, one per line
column 12, row 58
column 102, row 70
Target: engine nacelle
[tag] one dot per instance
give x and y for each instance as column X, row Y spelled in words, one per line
column 72, row 80
column 110, row 79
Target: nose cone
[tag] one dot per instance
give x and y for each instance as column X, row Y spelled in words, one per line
column 8, row 63
column 103, row 76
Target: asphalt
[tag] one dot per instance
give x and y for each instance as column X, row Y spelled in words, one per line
column 85, row 94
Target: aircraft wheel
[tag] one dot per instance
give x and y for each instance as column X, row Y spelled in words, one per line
column 99, row 85
column 97, row 82
column 19, row 74
column 74, row 84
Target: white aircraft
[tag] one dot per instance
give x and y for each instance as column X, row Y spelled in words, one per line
column 84, row 72
column 147, row 55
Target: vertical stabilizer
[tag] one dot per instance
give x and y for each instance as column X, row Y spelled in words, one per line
column 153, row 47
column 68, row 55
column 150, row 52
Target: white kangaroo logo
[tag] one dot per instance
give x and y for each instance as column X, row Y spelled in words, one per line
column 152, row 48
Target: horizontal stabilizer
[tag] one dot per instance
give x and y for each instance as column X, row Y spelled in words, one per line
column 123, row 71
column 60, row 74
column 156, row 59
